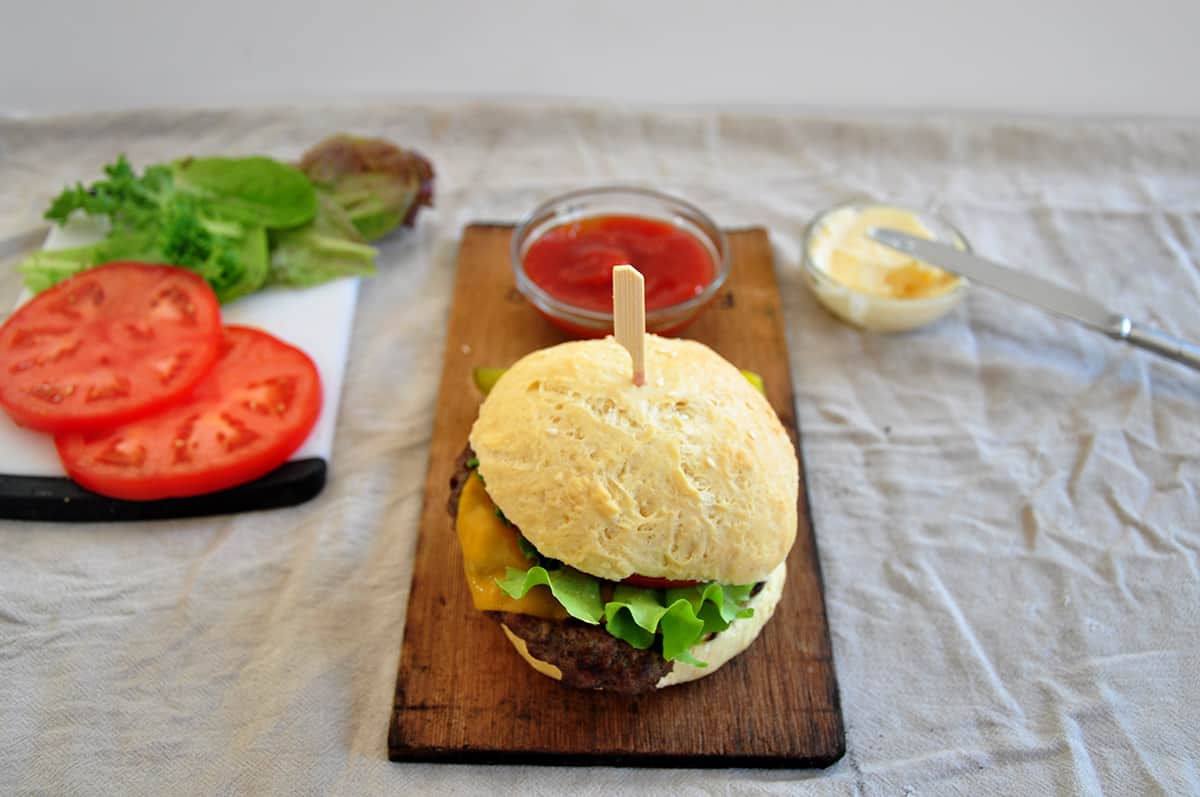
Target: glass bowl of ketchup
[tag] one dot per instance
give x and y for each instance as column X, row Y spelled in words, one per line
column 564, row 250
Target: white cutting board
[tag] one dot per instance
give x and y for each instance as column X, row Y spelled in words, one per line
column 317, row 320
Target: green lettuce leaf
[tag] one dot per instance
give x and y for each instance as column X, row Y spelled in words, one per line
column 230, row 255
column 683, row 616
column 326, row 248
column 717, row 605
column 48, row 267
column 257, row 191
column 578, row 592
column 240, row 223
column 637, row 615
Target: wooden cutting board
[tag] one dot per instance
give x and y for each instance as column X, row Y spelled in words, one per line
column 463, row 694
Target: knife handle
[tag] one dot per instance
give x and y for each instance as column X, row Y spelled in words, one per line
column 1160, row 343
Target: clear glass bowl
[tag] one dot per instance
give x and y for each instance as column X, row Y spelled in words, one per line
column 872, row 311
column 624, row 201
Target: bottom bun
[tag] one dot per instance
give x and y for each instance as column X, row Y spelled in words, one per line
column 716, row 651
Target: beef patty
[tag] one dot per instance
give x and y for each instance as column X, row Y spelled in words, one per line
column 589, row 656
column 458, row 480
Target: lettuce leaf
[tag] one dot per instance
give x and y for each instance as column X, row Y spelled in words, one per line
column 683, row 616
column 637, row 615
column 578, row 592
column 377, row 184
column 256, row 191
column 237, row 222
column 48, row 267
column 326, row 248
column 717, row 605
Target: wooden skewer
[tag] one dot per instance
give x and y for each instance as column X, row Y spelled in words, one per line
column 629, row 317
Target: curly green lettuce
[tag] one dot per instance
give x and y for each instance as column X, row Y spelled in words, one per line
column 245, row 223
column 683, row 616
column 209, row 215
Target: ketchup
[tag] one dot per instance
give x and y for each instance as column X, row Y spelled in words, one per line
column 574, row 262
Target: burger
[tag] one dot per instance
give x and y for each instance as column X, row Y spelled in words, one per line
column 625, row 537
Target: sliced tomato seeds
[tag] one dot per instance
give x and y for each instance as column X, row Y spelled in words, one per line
column 107, row 346
column 244, row 419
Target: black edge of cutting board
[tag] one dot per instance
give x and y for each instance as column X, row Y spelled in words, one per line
column 57, row 498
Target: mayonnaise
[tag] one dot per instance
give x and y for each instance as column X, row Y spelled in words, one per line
column 871, row 285
column 840, row 247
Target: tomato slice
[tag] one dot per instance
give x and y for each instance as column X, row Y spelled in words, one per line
column 652, row 582
column 243, row 420
column 114, row 343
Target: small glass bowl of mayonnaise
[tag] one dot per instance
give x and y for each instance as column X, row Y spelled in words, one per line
column 870, row 285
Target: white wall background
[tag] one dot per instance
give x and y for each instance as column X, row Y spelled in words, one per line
column 1107, row 57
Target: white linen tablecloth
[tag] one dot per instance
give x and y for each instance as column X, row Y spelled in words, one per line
column 1007, row 505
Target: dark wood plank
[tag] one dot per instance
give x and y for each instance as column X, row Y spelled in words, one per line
column 462, row 693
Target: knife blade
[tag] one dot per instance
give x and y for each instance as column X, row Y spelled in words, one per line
column 1041, row 293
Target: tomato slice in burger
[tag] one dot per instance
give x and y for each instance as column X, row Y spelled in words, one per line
column 651, row 582
column 244, row 419
column 106, row 346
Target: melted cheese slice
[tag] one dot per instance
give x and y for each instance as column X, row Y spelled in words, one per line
column 489, row 546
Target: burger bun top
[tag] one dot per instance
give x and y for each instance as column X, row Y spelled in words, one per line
column 690, row 476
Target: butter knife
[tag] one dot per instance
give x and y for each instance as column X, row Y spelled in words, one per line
column 1040, row 293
